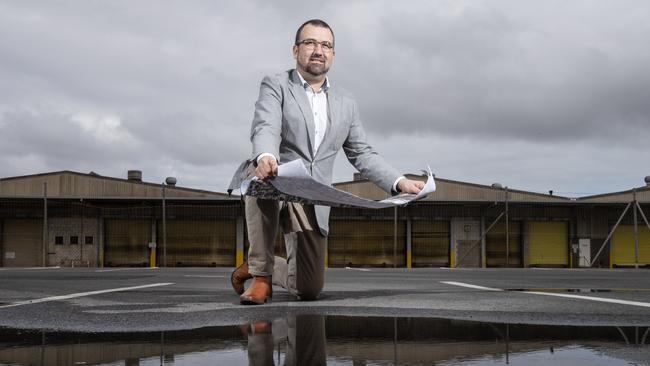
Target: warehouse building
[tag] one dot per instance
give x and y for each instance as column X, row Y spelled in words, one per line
column 76, row 219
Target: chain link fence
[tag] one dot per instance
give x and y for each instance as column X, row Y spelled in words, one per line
column 93, row 232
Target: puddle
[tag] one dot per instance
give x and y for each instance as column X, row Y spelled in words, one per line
column 337, row 340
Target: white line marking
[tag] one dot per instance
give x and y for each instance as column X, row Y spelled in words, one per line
column 27, row 268
column 569, row 296
column 358, row 269
column 81, row 294
column 600, row 299
column 461, row 284
column 206, row 276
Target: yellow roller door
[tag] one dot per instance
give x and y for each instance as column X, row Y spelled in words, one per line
column 430, row 243
column 548, row 243
column 22, row 242
column 365, row 243
column 127, row 242
column 623, row 245
column 199, row 242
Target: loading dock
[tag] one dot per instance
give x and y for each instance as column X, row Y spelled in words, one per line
column 548, row 243
column 367, row 243
column 127, row 242
column 430, row 243
column 22, row 242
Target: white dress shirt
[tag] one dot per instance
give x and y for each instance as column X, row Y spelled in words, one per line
column 318, row 103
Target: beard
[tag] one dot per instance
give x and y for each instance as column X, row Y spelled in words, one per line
column 316, row 68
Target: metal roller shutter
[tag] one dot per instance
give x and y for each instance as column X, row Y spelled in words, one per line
column 495, row 245
column 127, row 242
column 22, row 241
column 430, row 243
column 199, row 242
column 365, row 243
column 548, row 243
column 623, row 245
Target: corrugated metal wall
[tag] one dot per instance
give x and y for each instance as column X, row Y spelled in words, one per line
column 127, row 242
column 366, row 243
column 430, row 243
column 495, row 245
column 199, row 242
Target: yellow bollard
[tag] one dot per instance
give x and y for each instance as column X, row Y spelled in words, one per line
column 152, row 255
column 239, row 257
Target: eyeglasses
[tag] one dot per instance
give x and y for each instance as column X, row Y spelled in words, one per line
column 310, row 44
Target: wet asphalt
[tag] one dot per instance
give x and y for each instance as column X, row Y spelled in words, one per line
column 189, row 298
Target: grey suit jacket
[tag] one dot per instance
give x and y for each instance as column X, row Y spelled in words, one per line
column 283, row 125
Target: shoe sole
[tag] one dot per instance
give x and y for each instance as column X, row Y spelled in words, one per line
column 251, row 302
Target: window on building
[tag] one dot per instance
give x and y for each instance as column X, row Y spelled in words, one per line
column 74, row 240
column 89, row 240
column 58, row 240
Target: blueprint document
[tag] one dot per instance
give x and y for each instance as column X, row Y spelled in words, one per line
column 294, row 184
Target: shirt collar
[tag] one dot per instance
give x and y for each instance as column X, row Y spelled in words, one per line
column 325, row 87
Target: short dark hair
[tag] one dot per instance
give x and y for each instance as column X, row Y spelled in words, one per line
column 316, row 23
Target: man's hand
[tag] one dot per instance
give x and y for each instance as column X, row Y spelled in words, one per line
column 267, row 168
column 410, row 186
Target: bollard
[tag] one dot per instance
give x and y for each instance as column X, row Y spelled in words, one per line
column 152, row 254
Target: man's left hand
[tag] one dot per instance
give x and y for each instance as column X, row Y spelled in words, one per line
column 410, row 186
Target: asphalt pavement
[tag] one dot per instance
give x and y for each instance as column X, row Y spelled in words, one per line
column 141, row 299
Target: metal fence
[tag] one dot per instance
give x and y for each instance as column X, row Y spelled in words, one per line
column 40, row 231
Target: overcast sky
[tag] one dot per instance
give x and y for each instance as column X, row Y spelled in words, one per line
column 536, row 95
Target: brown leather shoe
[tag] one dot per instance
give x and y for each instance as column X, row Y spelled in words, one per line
column 259, row 292
column 258, row 327
column 239, row 277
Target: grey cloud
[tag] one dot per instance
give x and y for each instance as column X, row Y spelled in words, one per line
column 482, row 80
column 485, row 72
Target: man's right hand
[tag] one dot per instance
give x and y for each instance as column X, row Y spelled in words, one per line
column 267, row 168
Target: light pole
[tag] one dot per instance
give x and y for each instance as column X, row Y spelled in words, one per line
column 169, row 181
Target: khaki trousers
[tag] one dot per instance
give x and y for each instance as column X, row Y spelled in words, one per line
column 303, row 272
column 304, row 336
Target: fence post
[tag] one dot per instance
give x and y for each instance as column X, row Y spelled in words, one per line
column 395, row 238
column 82, row 237
column 636, row 234
column 483, row 243
column 507, row 233
column 45, row 231
column 595, row 258
column 164, row 222
column 2, row 250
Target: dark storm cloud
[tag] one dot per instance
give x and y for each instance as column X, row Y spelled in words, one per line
column 169, row 87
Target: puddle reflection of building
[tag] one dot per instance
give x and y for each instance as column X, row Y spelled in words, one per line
column 314, row 339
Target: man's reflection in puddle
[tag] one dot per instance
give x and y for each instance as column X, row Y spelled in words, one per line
column 304, row 336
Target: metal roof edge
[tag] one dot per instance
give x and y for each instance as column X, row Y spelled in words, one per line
column 477, row 185
column 98, row 176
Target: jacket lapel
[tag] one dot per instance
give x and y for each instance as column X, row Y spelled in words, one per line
column 298, row 93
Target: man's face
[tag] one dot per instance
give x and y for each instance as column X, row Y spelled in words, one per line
column 314, row 59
